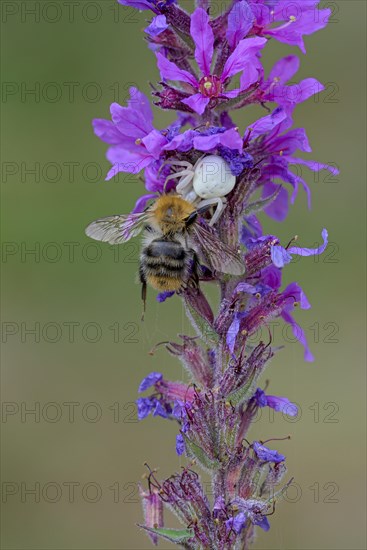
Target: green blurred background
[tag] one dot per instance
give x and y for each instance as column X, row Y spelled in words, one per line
column 82, row 452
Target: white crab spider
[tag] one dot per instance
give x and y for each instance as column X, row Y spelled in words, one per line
column 206, row 182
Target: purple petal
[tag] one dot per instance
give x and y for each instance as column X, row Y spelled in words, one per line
column 267, row 123
column 298, row 333
column 149, row 381
column 154, row 143
column 236, row 523
column 315, row 166
column 158, row 25
column 266, row 454
column 141, row 203
column 106, row 131
column 160, row 411
column 272, row 277
column 144, row 405
column 251, row 74
column 233, row 331
column 298, row 93
column 244, row 53
column 278, row 209
column 197, row 103
column 180, row 444
column 230, row 138
column 140, row 102
column 311, row 251
column 282, row 404
column 302, row 19
column 284, row 69
column 279, row 256
column 245, row 287
column 291, row 141
column 305, row 188
column 162, row 296
column 130, row 121
column 182, row 142
column 295, row 291
column 170, row 71
column 203, row 37
column 126, row 161
column 260, row 398
column 262, row 522
column 240, row 22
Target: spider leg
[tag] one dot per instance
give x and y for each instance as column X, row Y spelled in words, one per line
column 220, row 202
column 183, row 163
column 176, row 175
column 184, row 182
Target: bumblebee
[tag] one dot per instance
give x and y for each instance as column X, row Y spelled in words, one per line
column 174, row 242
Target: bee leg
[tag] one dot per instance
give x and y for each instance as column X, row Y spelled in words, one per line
column 143, row 293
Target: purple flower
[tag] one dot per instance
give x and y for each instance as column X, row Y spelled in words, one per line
column 280, row 256
column 145, row 407
column 267, row 455
column 207, row 141
column 240, row 22
column 278, row 147
column 279, row 404
column 291, row 296
column 274, row 88
column 211, row 86
column 180, row 444
column 262, row 522
column 150, row 380
column 215, row 408
column 250, row 509
column 237, row 162
column 134, row 143
column 237, row 523
column 300, row 18
column 157, row 25
column 159, row 410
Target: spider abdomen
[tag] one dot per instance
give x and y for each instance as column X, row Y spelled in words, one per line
column 213, row 178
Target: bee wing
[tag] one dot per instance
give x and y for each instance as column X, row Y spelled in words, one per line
column 116, row 229
column 219, row 256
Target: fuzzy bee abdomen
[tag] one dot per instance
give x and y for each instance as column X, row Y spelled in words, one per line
column 165, row 264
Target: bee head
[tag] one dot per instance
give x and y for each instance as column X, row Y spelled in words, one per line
column 173, row 214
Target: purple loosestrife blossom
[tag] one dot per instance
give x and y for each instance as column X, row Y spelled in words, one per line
column 198, row 57
column 212, row 86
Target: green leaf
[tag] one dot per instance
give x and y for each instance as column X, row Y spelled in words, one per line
column 204, row 329
column 177, row 536
column 243, row 393
column 194, row 451
column 259, row 205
